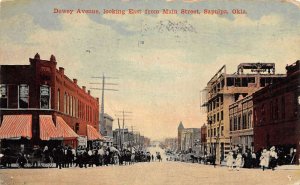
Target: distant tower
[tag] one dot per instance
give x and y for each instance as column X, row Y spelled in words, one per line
column 180, row 129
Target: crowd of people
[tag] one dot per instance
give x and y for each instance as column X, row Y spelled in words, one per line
column 66, row 156
column 267, row 159
column 235, row 159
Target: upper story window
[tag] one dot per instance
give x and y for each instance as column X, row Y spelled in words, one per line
column 65, row 103
column 58, row 100
column 3, row 96
column 23, row 96
column 45, row 95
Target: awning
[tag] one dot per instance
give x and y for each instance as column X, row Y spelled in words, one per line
column 64, row 129
column 16, row 126
column 93, row 134
column 47, row 128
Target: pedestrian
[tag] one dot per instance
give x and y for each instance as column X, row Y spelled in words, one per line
column 37, row 156
column 54, row 154
column 90, row 158
column 69, row 157
column 253, row 161
column 7, row 157
column 247, row 158
column 213, row 158
column 60, row 157
column 264, row 159
column 273, row 158
column 152, row 157
column 65, row 163
column 116, row 158
column 229, row 160
column 73, row 155
column 239, row 161
column 101, row 153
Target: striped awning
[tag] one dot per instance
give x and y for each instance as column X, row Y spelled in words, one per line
column 93, row 134
column 47, row 128
column 64, row 129
column 16, row 126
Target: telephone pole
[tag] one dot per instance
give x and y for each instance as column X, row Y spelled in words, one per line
column 124, row 115
column 103, row 88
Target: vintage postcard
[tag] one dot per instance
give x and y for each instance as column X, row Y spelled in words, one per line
column 157, row 92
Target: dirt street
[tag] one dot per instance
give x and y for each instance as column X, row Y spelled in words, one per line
column 154, row 173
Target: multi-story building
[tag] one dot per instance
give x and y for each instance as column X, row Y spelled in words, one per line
column 241, row 123
column 106, row 127
column 224, row 89
column 277, row 115
column 45, row 97
column 188, row 138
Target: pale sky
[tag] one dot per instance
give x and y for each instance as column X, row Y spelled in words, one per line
column 161, row 68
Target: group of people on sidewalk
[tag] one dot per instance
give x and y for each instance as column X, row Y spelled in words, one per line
column 267, row 159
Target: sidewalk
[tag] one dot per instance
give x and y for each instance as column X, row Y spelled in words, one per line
column 288, row 167
column 283, row 167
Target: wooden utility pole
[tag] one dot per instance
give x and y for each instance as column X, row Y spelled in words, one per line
column 102, row 98
column 124, row 115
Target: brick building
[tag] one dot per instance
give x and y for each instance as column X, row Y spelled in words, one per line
column 277, row 114
column 188, row 138
column 224, row 89
column 241, row 123
column 40, row 90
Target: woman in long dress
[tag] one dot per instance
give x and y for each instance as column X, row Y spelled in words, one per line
column 238, row 161
column 264, row 159
column 229, row 161
column 273, row 158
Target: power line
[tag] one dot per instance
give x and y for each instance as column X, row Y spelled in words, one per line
column 102, row 99
column 123, row 121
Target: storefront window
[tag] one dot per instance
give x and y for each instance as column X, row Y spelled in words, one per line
column 45, row 97
column 23, row 96
column 3, row 94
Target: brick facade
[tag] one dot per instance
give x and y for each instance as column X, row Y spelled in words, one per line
column 50, row 92
column 276, row 113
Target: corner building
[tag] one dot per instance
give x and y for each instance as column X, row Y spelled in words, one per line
column 42, row 89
